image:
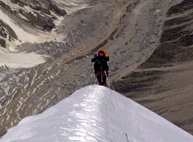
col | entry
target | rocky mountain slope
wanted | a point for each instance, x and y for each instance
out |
(146, 40)
(163, 83)
(27, 15)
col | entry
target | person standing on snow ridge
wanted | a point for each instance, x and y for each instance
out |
(100, 66)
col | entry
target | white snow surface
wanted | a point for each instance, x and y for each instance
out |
(71, 6)
(96, 114)
(22, 59)
(25, 34)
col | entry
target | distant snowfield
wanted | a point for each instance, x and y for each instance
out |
(71, 5)
(25, 34)
(96, 114)
(16, 60)
(23, 60)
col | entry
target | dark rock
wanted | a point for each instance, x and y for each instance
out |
(180, 8)
(19, 2)
(2, 42)
(176, 37)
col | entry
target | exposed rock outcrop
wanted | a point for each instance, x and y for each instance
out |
(162, 83)
(176, 42)
(36, 14)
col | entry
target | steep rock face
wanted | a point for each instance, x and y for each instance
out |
(177, 38)
(40, 15)
(6, 32)
(163, 82)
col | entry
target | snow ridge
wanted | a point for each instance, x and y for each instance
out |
(96, 114)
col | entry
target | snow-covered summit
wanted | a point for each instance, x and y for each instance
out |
(96, 114)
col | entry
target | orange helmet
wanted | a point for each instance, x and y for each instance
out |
(102, 53)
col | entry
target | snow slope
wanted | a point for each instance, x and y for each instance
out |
(22, 59)
(27, 34)
(96, 114)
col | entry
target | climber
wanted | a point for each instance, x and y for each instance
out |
(100, 66)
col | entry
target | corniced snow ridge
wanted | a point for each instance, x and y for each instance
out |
(96, 114)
